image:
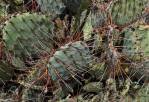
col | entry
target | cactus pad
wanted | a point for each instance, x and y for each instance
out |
(53, 7)
(69, 63)
(27, 34)
(125, 11)
(136, 41)
(73, 57)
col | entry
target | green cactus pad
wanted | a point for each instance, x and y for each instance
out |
(53, 7)
(136, 41)
(136, 49)
(98, 16)
(68, 64)
(27, 34)
(69, 60)
(125, 11)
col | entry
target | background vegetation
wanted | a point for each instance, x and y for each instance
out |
(74, 51)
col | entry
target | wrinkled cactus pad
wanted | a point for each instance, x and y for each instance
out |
(136, 41)
(126, 11)
(69, 60)
(27, 34)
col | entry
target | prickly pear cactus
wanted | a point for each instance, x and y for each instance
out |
(143, 92)
(125, 11)
(35, 82)
(6, 72)
(98, 16)
(12, 6)
(3, 9)
(76, 9)
(69, 62)
(58, 6)
(32, 95)
(27, 34)
(54, 7)
(136, 42)
(136, 48)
